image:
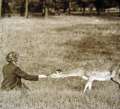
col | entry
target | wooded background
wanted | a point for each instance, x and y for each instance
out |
(46, 7)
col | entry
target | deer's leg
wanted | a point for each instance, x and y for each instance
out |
(85, 87)
(88, 85)
(115, 82)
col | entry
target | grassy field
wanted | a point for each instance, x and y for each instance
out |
(65, 42)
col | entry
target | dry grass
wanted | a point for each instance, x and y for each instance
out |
(65, 42)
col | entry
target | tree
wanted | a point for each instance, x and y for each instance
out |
(46, 2)
(70, 6)
(119, 6)
(0, 8)
(112, 3)
(99, 4)
(26, 8)
(84, 3)
(22, 7)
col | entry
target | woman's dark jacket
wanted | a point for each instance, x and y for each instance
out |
(12, 76)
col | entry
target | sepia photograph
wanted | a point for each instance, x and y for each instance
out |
(59, 54)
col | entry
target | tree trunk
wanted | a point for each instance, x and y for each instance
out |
(46, 9)
(119, 9)
(26, 8)
(70, 5)
(0, 8)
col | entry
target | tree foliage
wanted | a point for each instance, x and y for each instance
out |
(99, 4)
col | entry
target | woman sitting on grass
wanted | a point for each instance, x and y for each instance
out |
(12, 74)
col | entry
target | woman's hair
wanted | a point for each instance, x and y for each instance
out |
(11, 57)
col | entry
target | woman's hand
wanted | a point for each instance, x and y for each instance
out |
(42, 76)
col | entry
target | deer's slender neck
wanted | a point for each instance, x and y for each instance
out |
(114, 72)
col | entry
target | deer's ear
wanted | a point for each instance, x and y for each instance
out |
(119, 65)
(119, 75)
(59, 70)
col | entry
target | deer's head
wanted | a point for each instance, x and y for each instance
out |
(58, 74)
(116, 71)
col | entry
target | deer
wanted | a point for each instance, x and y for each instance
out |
(91, 76)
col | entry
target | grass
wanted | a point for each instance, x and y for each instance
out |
(66, 42)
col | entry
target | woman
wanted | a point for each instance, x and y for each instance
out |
(12, 74)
